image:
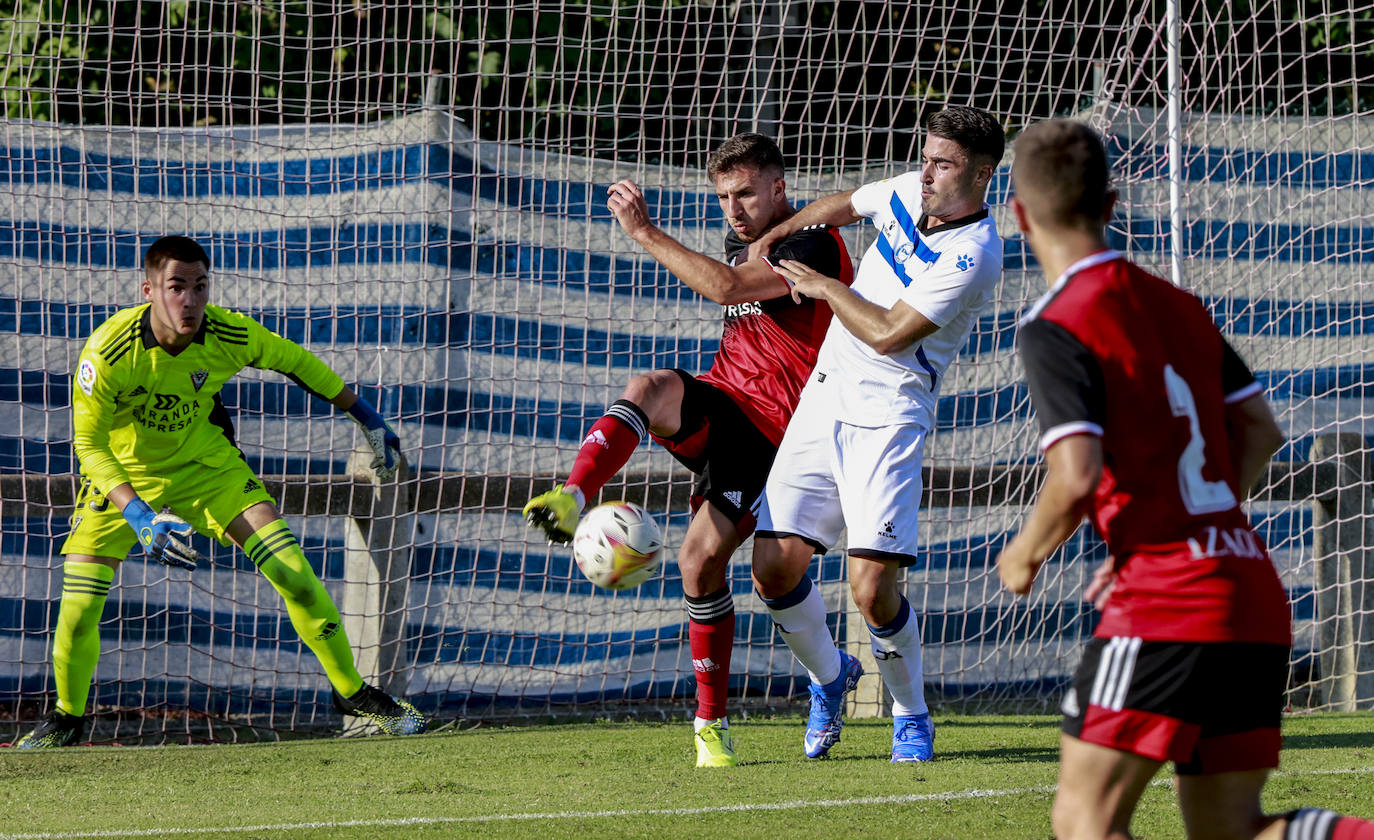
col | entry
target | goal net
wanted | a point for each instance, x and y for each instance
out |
(418, 196)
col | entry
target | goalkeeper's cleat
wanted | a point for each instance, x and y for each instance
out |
(58, 729)
(827, 708)
(392, 715)
(913, 738)
(714, 747)
(556, 512)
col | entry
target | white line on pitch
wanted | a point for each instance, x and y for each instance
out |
(556, 815)
(592, 815)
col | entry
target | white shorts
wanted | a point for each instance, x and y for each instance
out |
(829, 475)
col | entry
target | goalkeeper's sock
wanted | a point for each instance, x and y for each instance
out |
(800, 617)
(711, 636)
(1319, 824)
(277, 554)
(76, 642)
(607, 446)
(897, 648)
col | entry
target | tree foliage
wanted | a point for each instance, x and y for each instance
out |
(666, 79)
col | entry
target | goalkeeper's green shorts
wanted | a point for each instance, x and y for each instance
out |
(207, 497)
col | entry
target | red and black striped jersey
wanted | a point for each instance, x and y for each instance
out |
(1116, 352)
(768, 347)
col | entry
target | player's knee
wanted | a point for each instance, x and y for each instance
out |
(702, 567)
(1074, 819)
(774, 577)
(650, 390)
(1060, 822)
(1068, 822)
(872, 600)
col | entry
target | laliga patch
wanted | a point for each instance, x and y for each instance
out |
(85, 376)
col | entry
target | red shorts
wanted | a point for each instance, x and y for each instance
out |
(1209, 707)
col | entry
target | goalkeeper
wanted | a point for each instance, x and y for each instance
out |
(151, 433)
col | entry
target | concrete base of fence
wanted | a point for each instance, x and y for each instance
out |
(1343, 573)
(1335, 480)
(377, 581)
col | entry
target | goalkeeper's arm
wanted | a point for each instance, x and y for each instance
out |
(386, 445)
(273, 352)
(165, 537)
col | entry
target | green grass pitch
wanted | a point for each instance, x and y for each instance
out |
(993, 777)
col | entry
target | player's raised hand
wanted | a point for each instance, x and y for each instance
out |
(626, 202)
(385, 443)
(165, 537)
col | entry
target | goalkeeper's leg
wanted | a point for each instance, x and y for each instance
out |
(75, 649)
(274, 550)
(76, 641)
(269, 543)
(92, 551)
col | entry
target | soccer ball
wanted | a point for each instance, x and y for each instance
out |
(618, 545)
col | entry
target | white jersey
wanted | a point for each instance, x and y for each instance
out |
(948, 275)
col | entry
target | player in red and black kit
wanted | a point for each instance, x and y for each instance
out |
(1155, 429)
(726, 424)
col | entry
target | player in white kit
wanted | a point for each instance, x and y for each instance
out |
(851, 456)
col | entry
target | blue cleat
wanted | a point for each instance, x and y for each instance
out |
(913, 738)
(827, 708)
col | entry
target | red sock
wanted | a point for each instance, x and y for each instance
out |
(1350, 828)
(607, 446)
(1321, 824)
(711, 637)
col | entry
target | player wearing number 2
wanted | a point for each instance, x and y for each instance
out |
(151, 432)
(1155, 429)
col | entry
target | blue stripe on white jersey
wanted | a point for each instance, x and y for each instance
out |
(924, 252)
(949, 275)
(930, 369)
(895, 257)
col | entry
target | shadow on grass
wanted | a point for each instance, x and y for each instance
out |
(1329, 740)
(974, 722)
(1007, 755)
(1003, 755)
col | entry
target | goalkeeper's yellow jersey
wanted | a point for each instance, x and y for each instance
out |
(139, 410)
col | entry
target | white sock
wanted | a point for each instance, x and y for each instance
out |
(699, 724)
(802, 625)
(899, 661)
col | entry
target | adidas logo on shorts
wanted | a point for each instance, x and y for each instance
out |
(734, 497)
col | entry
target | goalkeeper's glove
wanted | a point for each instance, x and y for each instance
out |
(165, 537)
(386, 446)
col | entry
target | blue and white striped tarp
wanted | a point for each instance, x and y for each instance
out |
(484, 298)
